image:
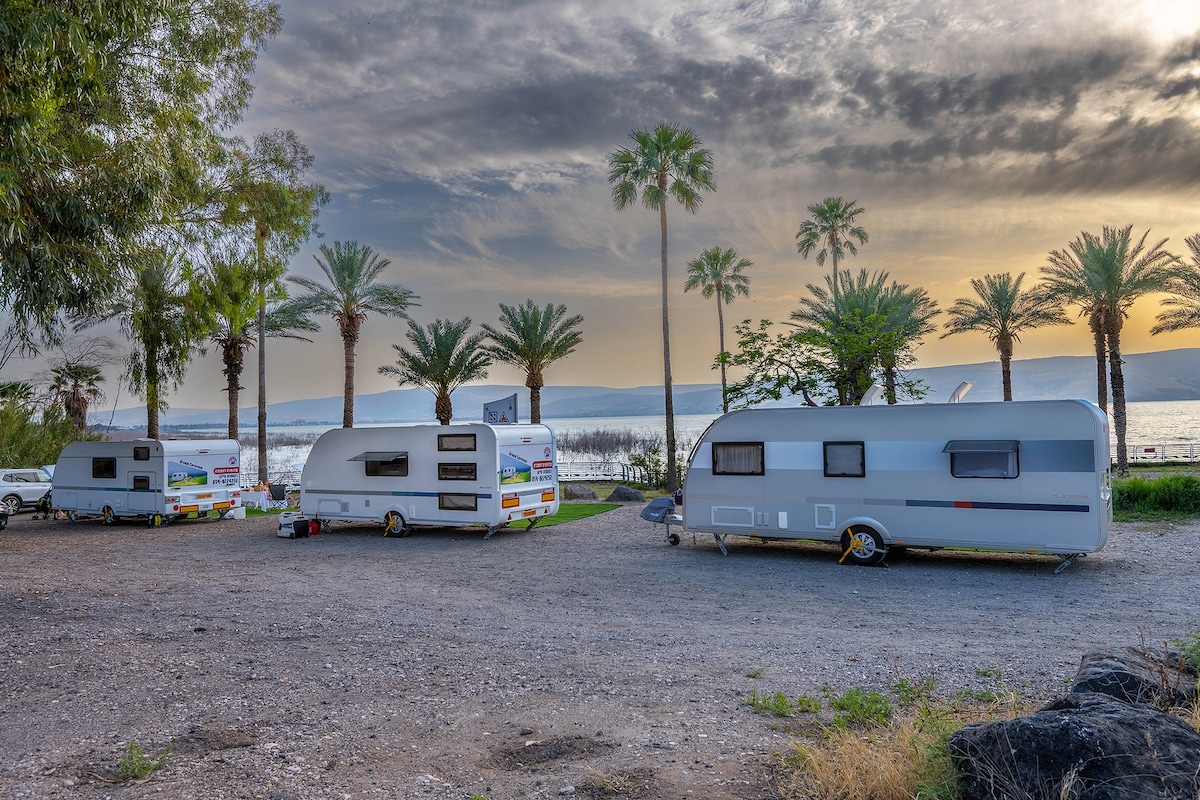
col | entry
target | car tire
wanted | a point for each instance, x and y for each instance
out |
(12, 504)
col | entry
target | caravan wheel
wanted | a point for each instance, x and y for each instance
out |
(107, 516)
(393, 524)
(862, 546)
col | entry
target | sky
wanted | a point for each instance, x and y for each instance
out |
(467, 143)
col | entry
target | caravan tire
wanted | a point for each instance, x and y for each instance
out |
(393, 523)
(863, 546)
(107, 516)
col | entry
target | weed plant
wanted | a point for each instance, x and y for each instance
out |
(1175, 496)
(136, 763)
(777, 704)
(858, 707)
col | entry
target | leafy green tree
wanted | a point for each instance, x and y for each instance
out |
(664, 163)
(773, 365)
(32, 436)
(1183, 306)
(719, 273)
(230, 291)
(156, 312)
(831, 230)
(353, 291)
(1002, 311)
(108, 121)
(1105, 275)
(532, 338)
(444, 357)
(261, 193)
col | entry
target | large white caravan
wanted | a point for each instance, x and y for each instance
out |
(160, 480)
(1015, 476)
(444, 475)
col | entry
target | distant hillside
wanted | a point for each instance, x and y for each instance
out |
(1168, 375)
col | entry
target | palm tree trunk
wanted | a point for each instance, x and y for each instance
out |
(721, 344)
(443, 409)
(1118, 398)
(534, 382)
(151, 394)
(262, 391)
(348, 346)
(233, 377)
(1095, 322)
(1004, 346)
(672, 479)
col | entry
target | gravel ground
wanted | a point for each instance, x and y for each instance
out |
(590, 659)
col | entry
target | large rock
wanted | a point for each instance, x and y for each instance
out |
(623, 494)
(1137, 675)
(577, 491)
(1086, 746)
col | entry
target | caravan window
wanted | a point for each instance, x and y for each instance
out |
(456, 472)
(396, 467)
(737, 458)
(104, 468)
(845, 460)
(456, 441)
(457, 502)
(977, 458)
(141, 483)
(141, 454)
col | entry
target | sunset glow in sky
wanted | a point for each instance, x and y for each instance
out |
(467, 142)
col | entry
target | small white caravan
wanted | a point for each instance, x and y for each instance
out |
(1029, 476)
(423, 474)
(160, 480)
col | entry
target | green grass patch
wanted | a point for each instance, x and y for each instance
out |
(569, 512)
(1174, 496)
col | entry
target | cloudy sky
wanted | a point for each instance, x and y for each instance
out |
(467, 141)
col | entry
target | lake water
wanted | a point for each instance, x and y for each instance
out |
(1153, 428)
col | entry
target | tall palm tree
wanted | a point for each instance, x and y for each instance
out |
(232, 294)
(1183, 306)
(831, 227)
(157, 313)
(1067, 281)
(1116, 272)
(532, 339)
(78, 386)
(443, 358)
(717, 272)
(667, 162)
(352, 292)
(1002, 311)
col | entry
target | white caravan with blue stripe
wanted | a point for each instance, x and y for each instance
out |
(442, 475)
(1017, 476)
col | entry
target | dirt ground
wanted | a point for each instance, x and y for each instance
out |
(590, 659)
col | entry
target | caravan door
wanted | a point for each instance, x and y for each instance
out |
(143, 492)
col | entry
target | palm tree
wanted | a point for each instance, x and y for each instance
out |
(667, 162)
(1066, 281)
(719, 272)
(909, 314)
(1112, 273)
(78, 386)
(1184, 303)
(232, 293)
(443, 358)
(157, 313)
(532, 339)
(832, 228)
(351, 294)
(1003, 312)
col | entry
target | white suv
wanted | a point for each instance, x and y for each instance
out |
(22, 488)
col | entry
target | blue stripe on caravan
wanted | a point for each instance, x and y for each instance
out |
(423, 494)
(998, 506)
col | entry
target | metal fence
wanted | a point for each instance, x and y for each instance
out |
(600, 471)
(1179, 451)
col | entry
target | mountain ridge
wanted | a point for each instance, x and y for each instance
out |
(1163, 375)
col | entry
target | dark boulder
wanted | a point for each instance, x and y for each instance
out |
(623, 494)
(1136, 675)
(1086, 746)
(576, 491)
